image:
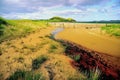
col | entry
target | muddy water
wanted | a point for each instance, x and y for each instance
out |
(91, 40)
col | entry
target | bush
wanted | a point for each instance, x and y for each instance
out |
(38, 61)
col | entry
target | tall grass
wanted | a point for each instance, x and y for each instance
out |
(19, 28)
(38, 61)
(25, 75)
(3, 24)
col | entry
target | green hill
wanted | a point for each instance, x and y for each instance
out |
(60, 19)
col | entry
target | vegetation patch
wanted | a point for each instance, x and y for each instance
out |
(18, 28)
(60, 19)
(76, 58)
(52, 48)
(113, 30)
(36, 63)
(3, 24)
(25, 75)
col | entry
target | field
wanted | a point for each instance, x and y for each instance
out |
(28, 50)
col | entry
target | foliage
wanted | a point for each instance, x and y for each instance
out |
(38, 61)
(112, 29)
(25, 75)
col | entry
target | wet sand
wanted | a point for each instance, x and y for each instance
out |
(92, 40)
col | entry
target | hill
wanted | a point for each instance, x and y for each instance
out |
(102, 21)
(60, 19)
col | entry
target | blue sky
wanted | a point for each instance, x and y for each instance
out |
(81, 10)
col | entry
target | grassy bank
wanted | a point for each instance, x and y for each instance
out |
(113, 30)
(19, 28)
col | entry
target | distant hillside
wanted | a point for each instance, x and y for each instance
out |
(103, 21)
(60, 19)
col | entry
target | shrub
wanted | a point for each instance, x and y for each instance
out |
(38, 61)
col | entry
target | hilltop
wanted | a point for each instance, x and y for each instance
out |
(61, 19)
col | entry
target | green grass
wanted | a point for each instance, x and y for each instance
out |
(19, 28)
(25, 75)
(3, 24)
(113, 30)
(53, 48)
(76, 57)
(36, 63)
(94, 74)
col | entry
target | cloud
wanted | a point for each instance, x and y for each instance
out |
(34, 5)
(38, 9)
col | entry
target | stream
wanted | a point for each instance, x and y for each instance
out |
(89, 60)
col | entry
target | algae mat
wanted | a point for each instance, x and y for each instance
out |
(92, 40)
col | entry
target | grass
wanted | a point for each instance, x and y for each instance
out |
(94, 74)
(19, 28)
(20, 59)
(113, 30)
(25, 75)
(3, 24)
(76, 58)
(1, 51)
(36, 63)
(52, 48)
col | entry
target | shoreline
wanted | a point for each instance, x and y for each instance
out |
(90, 60)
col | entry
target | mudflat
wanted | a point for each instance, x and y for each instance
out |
(92, 39)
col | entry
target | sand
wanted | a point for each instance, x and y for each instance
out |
(92, 39)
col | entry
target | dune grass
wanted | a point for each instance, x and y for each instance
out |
(38, 61)
(19, 28)
(113, 30)
(25, 75)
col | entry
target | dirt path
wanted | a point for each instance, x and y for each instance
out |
(92, 40)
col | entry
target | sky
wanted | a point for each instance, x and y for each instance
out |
(80, 10)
